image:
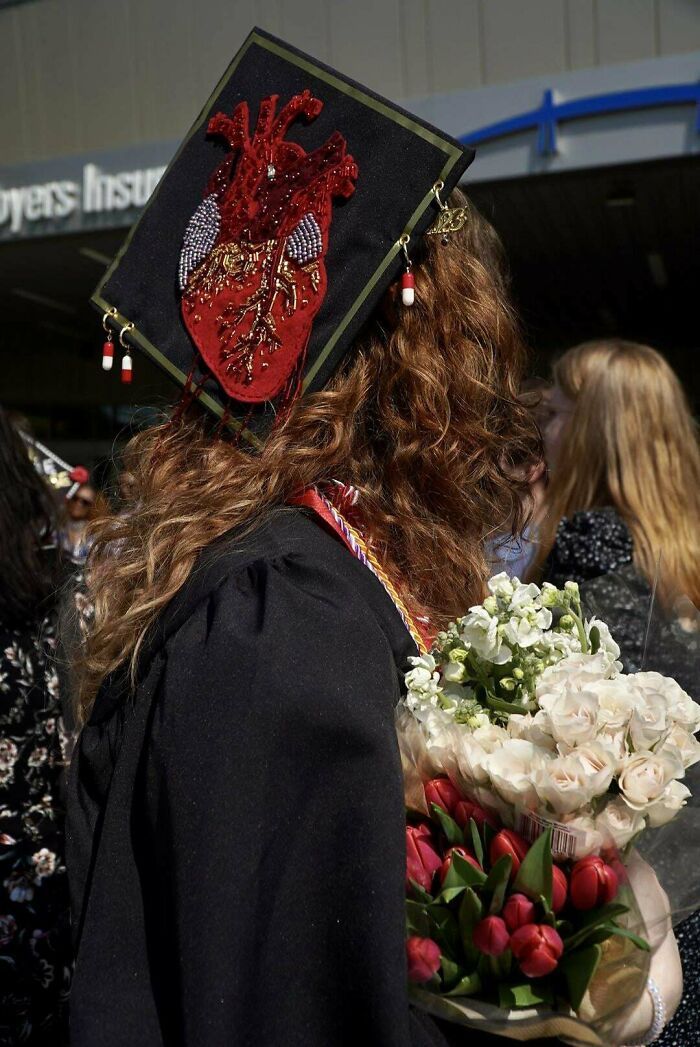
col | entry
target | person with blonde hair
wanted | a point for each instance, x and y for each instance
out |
(624, 491)
(622, 518)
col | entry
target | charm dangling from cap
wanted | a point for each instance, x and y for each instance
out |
(408, 280)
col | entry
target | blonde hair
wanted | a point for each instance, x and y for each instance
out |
(422, 419)
(631, 443)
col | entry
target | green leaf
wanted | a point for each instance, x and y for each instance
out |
(578, 968)
(489, 832)
(591, 922)
(501, 706)
(448, 825)
(417, 919)
(622, 932)
(524, 994)
(466, 986)
(445, 930)
(497, 882)
(461, 874)
(535, 873)
(420, 893)
(452, 973)
(476, 841)
(549, 916)
(471, 911)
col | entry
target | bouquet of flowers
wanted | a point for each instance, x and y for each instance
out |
(532, 763)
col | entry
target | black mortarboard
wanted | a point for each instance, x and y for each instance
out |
(275, 230)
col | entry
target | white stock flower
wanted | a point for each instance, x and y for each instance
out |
(619, 822)
(573, 715)
(480, 630)
(454, 672)
(607, 643)
(523, 631)
(673, 798)
(526, 598)
(648, 721)
(645, 775)
(511, 768)
(423, 676)
(680, 707)
(501, 585)
(536, 729)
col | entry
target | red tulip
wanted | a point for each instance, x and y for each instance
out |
(593, 883)
(491, 936)
(518, 911)
(442, 792)
(507, 841)
(537, 948)
(423, 956)
(465, 810)
(560, 888)
(463, 853)
(422, 860)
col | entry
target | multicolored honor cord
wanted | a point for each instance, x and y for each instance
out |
(323, 507)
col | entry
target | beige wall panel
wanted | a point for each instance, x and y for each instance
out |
(164, 67)
(304, 23)
(679, 26)
(15, 145)
(219, 27)
(453, 37)
(626, 30)
(416, 69)
(522, 39)
(580, 34)
(102, 51)
(51, 76)
(365, 42)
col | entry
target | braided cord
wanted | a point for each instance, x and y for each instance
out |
(362, 552)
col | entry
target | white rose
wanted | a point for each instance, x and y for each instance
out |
(619, 822)
(536, 729)
(669, 804)
(680, 706)
(501, 585)
(645, 775)
(573, 715)
(615, 742)
(648, 721)
(490, 736)
(480, 630)
(598, 766)
(616, 702)
(589, 840)
(576, 671)
(563, 784)
(470, 758)
(510, 770)
(680, 740)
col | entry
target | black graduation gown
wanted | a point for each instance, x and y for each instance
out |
(236, 827)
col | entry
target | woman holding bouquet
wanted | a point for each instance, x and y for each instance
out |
(237, 826)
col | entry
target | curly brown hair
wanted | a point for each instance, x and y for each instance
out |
(423, 419)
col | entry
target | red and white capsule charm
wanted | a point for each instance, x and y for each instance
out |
(108, 344)
(408, 280)
(127, 364)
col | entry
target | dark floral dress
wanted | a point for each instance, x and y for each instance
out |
(595, 549)
(34, 923)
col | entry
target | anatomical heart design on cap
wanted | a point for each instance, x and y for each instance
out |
(252, 270)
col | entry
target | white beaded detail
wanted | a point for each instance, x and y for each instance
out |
(658, 1022)
(200, 237)
(305, 242)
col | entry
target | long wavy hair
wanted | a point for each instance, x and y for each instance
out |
(422, 419)
(28, 570)
(631, 443)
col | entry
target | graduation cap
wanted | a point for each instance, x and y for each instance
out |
(294, 201)
(62, 477)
